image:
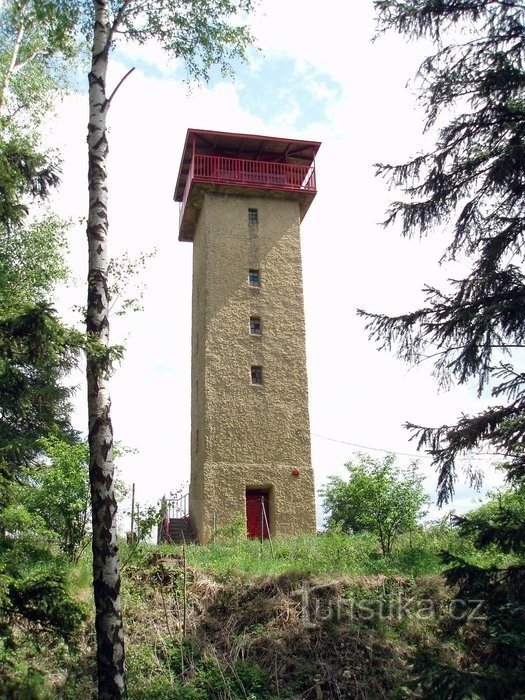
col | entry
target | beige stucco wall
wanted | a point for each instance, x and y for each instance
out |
(246, 436)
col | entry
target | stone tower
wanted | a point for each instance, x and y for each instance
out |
(242, 199)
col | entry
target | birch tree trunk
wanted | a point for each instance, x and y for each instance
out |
(10, 69)
(106, 574)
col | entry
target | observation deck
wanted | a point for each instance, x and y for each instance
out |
(230, 162)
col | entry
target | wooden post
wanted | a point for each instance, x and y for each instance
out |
(184, 590)
(132, 510)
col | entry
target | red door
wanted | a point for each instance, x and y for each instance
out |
(257, 514)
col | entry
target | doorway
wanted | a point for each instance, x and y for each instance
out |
(257, 514)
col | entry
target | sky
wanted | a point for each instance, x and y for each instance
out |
(317, 76)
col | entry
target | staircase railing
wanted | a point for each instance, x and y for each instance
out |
(178, 507)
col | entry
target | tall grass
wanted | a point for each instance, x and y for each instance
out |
(326, 553)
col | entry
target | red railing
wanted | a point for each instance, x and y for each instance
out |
(248, 173)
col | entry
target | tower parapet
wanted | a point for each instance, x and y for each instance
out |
(239, 162)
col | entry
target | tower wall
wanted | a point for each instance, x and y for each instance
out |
(246, 435)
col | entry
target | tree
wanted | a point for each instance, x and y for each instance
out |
(495, 636)
(36, 38)
(472, 183)
(472, 186)
(36, 351)
(378, 497)
(57, 490)
(26, 175)
(202, 34)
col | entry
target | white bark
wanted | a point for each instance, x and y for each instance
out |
(11, 68)
(106, 575)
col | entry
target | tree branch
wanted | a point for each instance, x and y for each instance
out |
(424, 358)
(108, 101)
(22, 64)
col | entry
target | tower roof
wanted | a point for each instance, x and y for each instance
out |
(242, 146)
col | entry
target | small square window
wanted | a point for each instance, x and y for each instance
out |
(255, 325)
(253, 216)
(256, 374)
(254, 278)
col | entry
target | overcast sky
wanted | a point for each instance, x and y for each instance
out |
(317, 76)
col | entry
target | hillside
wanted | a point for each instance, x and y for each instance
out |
(323, 617)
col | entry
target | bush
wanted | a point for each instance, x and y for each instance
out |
(378, 497)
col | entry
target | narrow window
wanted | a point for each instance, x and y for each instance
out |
(256, 374)
(253, 216)
(255, 325)
(254, 278)
(196, 441)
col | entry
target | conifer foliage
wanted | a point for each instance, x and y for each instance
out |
(36, 352)
(471, 185)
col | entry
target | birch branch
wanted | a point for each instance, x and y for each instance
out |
(108, 101)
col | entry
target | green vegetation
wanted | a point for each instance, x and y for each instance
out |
(232, 620)
(59, 494)
(469, 187)
(377, 607)
(333, 552)
(378, 497)
(38, 43)
(240, 619)
(36, 350)
(328, 612)
(37, 608)
(244, 619)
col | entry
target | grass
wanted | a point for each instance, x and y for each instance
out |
(330, 553)
(246, 636)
